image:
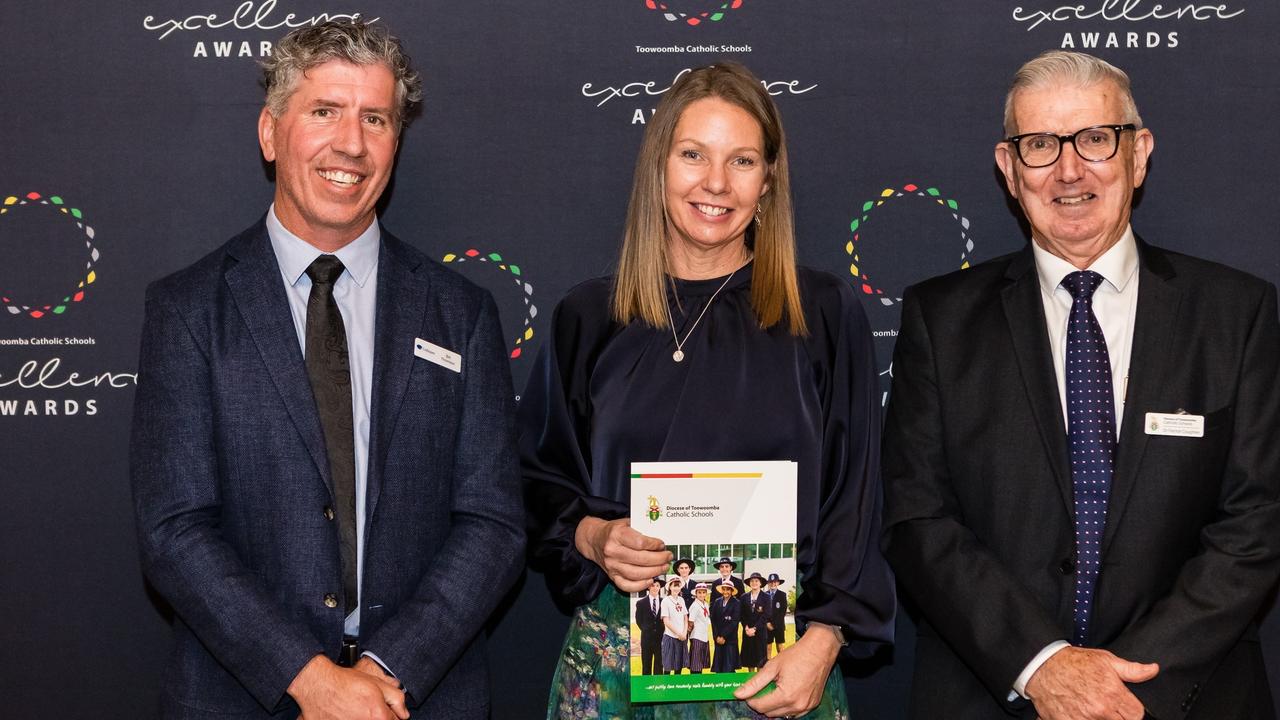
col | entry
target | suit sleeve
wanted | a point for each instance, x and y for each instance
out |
(1220, 591)
(982, 610)
(431, 630)
(177, 501)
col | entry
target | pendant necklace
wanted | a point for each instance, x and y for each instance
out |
(678, 355)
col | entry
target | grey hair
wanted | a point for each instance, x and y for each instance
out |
(1071, 68)
(354, 41)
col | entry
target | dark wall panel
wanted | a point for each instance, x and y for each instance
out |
(128, 150)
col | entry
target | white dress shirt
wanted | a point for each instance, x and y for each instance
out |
(1115, 305)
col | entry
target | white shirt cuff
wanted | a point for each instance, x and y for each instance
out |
(1020, 684)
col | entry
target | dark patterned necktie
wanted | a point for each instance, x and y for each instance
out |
(1091, 430)
(330, 374)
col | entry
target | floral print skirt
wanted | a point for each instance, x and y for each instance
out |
(593, 678)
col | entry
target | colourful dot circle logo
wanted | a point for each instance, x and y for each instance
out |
(33, 201)
(526, 290)
(862, 280)
(714, 13)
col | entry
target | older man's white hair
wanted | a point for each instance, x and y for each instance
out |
(1062, 67)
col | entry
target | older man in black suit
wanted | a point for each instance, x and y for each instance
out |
(1080, 458)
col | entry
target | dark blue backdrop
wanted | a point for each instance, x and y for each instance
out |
(128, 130)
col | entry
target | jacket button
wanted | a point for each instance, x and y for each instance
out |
(1067, 566)
(328, 513)
(330, 600)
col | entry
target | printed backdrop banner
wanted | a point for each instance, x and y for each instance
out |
(128, 150)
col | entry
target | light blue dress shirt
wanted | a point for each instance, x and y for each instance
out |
(356, 293)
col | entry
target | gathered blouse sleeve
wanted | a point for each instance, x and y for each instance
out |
(849, 582)
(555, 424)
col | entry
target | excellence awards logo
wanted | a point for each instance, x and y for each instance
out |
(903, 235)
(38, 234)
(645, 91)
(1129, 24)
(654, 511)
(48, 261)
(220, 33)
(692, 12)
(861, 278)
(508, 305)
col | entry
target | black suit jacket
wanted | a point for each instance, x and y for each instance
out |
(230, 477)
(779, 613)
(979, 499)
(649, 622)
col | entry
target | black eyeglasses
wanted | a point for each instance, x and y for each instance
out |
(1096, 143)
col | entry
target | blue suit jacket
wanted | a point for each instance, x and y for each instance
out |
(230, 479)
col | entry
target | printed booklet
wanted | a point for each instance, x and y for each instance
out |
(725, 606)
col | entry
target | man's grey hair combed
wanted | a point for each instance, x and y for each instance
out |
(1062, 67)
(353, 41)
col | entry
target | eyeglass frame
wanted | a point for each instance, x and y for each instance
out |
(1015, 141)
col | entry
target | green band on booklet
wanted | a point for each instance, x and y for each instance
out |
(704, 686)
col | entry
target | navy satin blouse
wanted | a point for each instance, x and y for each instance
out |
(602, 395)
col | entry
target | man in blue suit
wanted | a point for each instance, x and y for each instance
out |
(323, 431)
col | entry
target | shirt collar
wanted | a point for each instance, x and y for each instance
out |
(1117, 265)
(295, 255)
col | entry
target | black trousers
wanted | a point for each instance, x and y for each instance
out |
(650, 653)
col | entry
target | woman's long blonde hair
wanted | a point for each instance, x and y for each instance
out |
(639, 290)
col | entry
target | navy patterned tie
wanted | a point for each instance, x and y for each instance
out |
(1091, 430)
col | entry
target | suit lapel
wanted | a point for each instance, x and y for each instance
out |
(401, 309)
(1025, 313)
(258, 292)
(1154, 327)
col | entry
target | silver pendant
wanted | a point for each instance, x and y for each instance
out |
(678, 356)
